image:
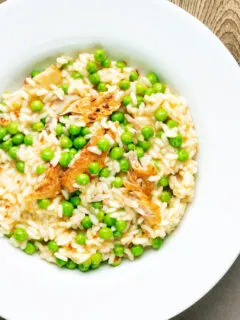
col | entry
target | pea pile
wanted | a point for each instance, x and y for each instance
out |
(146, 128)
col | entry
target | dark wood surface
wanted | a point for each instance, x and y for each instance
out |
(221, 16)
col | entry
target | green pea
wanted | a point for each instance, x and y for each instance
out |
(124, 164)
(116, 153)
(121, 64)
(145, 145)
(20, 166)
(96, 260)
(92, 67)
(66, 142)
(117, 234)
(152, 77)
(140, 152)
(176, 142)
(133, 76)
(103, 144)
(102, 87)
(28, 140)
(140, 100)
(83, 179)
(121, 225)
(79, 142)
(157, 243)
(85, 131)
(109, 221)
(30, 248)
(75, 201)
(127, 137)
(182, 155)
(76, 75)
(94, 78)
(43, 203)
(47, 154)
(3, 133)
(7, 145)
(13, 152)
(99, 55)
(116, 262)
(12, 127)
(118, 250)
(20, 234)
(34, 73)
(106, 63)
(164, 181)
(159, 134)
(158, 87)
(149, 91)
(172, 123)
(97, 204)
(117, 116)
(59, 129)
(140, 89)
(131, 146)
(147, 132)
(85, 266)
(74, 130)
(65, 88)
(127, 100)
(53, 246)
(61, 263)
(105, 233)
(104, 173)
(94, 168)
(117, 182)
(161, 114)
(65, 159)
(36, 105)
(128, 127)
(86, 222)
(17, 139)
(40, 169)
(81, 238)
(71, 265)
(100, 215)
(124, 84)
(73, 152)
(38, 126)
(67, 209)
(137, 250)
(165, 196)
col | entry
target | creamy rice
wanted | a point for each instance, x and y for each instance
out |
(149, 198)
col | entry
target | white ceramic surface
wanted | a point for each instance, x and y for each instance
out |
(157, 35)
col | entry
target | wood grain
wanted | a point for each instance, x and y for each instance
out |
(221, 16)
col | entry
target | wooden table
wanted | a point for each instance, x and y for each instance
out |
(221, 16)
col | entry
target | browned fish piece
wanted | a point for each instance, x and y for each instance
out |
(94, 108)
(50, 186)
(80, 165)
(52, 75)
(151, 210)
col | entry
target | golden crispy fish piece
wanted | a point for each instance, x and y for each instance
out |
(50, 186)
(93, 109)
(151, 210)
(139, 175)
(52, 75)
(80, 165)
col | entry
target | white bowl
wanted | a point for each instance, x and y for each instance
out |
(189, 57)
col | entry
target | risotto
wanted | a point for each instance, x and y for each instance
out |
(96, 162)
